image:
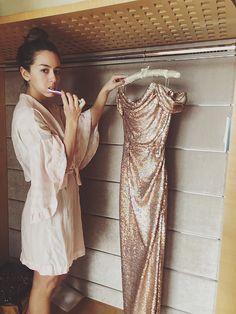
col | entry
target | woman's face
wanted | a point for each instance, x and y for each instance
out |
(44, 73)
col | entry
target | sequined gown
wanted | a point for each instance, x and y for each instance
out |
(143, 194)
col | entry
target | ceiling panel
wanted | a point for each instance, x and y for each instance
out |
(134, 24)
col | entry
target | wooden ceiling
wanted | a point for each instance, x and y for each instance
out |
(133, 24)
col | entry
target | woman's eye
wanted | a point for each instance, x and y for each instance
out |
(57, 72)
(44, 70)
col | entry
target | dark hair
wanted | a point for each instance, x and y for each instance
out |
(36, 40)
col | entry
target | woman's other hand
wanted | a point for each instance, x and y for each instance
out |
(72, 106)
(114, 81)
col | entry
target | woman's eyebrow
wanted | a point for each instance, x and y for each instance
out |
(48, 66)
(45, 65)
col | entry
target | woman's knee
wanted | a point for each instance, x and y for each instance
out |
(52, 284)
(47, 283)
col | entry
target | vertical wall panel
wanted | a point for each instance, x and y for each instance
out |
(3, 173)
(226, 302)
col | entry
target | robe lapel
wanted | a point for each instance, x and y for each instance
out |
(50, 120)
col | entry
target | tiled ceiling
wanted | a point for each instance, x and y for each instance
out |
(136, 24)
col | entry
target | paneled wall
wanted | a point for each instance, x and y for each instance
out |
(3, 174)
(196, 160)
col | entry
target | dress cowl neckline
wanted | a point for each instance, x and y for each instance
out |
(149, 89)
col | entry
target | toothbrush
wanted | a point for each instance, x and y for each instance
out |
(57, 92)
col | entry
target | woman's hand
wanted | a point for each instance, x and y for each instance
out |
(72, 106)
(115, 81)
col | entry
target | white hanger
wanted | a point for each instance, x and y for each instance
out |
(145, 72)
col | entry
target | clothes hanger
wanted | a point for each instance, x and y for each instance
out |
(145, 72)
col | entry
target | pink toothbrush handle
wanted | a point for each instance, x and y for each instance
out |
(57, 92)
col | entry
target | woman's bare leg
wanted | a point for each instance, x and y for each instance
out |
(41, 292)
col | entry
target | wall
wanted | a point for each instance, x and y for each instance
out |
(196, 160)
(3, 174)
(226, 302)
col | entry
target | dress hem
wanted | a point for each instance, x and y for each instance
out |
(54, 273)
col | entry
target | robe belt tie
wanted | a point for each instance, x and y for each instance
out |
(75, 172)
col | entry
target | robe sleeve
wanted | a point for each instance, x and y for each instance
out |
(87, 140)
(47, 163)
(170, 100)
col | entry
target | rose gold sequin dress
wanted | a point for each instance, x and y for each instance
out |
(143, 194)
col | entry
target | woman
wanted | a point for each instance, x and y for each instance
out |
(52, 143)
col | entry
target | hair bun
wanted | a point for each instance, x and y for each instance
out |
(36, 34)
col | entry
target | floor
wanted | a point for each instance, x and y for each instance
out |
(88, 306)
